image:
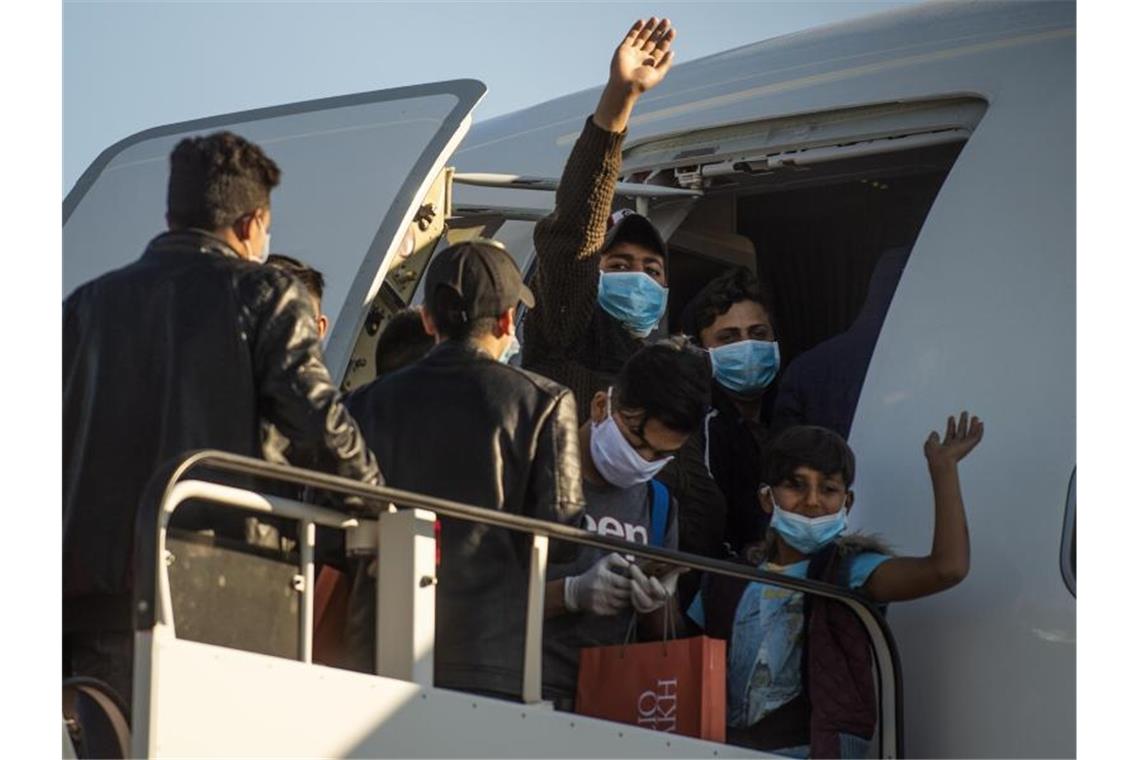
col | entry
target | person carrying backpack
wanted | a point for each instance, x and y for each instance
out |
(633, 430)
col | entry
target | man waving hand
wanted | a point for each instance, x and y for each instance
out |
(600, 284)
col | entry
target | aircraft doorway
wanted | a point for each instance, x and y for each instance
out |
(827, 223)
(816, 245)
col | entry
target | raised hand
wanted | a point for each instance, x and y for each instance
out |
(643, 58)
(640, 62)
(960, 440)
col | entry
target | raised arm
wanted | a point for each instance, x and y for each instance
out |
(568, 240)
(904, 578)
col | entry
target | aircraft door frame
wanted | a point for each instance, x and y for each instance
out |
(332, 151)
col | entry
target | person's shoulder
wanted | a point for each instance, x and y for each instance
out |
(271, 278)
(81, 292)
(260, 285)
(822, 358)
(107, 280)
(863, 555)
(529, 378)
(381, 387)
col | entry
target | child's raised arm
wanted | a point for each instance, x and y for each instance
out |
(902, 578)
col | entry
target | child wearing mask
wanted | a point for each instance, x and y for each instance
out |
(633, 430)
(807, 475)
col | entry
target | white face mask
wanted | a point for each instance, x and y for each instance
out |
(511, 351)
(262, 254)
(616, 459)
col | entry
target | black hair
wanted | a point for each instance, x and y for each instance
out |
(806, 446)
(447, 310)
(217, 179)
(403, 341)
(669, 381)
(718, 296)
(313, 280)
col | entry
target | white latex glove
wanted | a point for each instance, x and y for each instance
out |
(648, 593)
(601, 590)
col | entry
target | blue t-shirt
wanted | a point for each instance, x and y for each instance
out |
(768, 639)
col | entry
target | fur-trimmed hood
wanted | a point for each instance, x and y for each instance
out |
(858, 543)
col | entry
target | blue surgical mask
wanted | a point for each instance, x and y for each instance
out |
(616, 459)
(511, 351)
(746, 366)
(808, 534)
(634, 299)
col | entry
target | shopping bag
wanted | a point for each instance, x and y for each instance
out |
(330, 611)
(677, 686)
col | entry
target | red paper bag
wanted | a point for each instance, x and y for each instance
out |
(676, 686)
(330, 612)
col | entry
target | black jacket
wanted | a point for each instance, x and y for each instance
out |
(734, 450)
(716, 475)
(459, 425)
(186, 348)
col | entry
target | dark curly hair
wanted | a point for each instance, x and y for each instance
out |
(806, 446)
(217, 179)
(718, 296)
(668, 380)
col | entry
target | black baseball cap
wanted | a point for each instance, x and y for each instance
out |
(625, 224)
(482, 274)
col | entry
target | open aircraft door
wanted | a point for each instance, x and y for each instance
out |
(355, 173)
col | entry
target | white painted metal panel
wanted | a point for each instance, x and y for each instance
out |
(216, 702)
(984, 318)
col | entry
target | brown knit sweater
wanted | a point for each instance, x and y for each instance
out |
(567, 337)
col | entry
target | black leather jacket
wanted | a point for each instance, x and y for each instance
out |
(459, 425)
(186, 348)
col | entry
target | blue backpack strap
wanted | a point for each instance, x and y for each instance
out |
(659, 513)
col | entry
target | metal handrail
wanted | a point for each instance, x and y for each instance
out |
(150, 516)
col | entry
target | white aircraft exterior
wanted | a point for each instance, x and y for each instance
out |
(983, 316)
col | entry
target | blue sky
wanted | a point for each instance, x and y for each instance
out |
(128, 66)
